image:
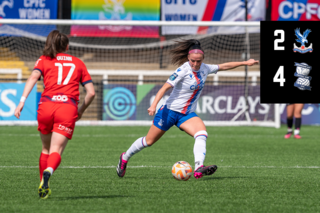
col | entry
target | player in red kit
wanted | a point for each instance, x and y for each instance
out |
(58, 107)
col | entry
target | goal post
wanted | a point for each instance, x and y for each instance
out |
(129, 62)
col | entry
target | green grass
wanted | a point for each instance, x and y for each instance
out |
(259, 171)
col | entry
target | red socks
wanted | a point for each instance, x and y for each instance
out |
(54, 160)
(43, 163)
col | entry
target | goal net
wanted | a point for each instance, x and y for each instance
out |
(130, 61)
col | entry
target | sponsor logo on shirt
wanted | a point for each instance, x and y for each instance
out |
(59, 98)
(65, 129)
(173, 76)
(179, 69)
(64, 58)
(197, 86)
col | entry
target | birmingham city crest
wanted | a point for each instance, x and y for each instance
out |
(302, 72)
(302, 39)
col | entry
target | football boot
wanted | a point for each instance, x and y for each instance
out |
(204, 170)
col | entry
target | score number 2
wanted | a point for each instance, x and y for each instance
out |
(278, 77)
(280, 40)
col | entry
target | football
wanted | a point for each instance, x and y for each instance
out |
(181, 170)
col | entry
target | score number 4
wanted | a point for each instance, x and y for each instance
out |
(278, 77)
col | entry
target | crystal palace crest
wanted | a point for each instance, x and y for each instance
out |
(302, 39)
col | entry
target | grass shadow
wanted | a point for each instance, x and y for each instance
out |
(89, 197)
(221, 178)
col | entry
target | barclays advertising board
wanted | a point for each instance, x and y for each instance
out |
(10, 94)
(27, 9)
(216, 103)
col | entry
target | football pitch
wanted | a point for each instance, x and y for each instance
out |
(258, 171)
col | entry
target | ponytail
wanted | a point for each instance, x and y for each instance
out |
(56, 43)
(181, 52)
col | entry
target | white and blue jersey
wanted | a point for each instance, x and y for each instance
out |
(187, 86)
(182, 102)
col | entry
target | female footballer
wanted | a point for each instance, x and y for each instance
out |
(58, 107)
(294, 110)
(187, 83)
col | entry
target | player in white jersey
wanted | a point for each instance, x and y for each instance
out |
(187, 83)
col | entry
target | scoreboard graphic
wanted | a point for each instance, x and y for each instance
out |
(290, 62)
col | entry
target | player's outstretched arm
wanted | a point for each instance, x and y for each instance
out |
(32, 80)
(159, 95)
(231, 65)
(87, 99)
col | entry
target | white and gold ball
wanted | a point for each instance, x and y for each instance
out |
(181, 170)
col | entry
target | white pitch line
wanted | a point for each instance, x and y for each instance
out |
(165, 136)
(83, 167)
(75, 135)
(144, 166)
(93, 136)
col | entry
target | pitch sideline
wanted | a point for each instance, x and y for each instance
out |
(144, 166)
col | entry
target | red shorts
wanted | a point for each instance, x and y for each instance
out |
(57, 117)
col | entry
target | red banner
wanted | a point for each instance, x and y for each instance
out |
(295, 10)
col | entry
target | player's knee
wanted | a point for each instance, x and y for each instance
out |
(150, 142)
(201, 135)
(297, 115)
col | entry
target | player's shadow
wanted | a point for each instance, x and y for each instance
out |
(220, 178)
(89, 197)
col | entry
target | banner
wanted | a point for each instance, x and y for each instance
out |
(216, 103)
(10, 94)
(210, 10)
(27, 9)
(295, 10)
(136, 10)
(310, 114)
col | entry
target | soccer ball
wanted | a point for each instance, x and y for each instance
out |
(181, 170)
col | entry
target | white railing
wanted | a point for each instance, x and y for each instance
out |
(252, 74)
(106, 73)
(140, 73)
(13, 71)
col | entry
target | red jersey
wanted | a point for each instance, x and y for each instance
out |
(61, 77)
